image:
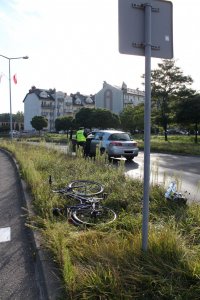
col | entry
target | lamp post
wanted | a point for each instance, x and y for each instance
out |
(10, 94)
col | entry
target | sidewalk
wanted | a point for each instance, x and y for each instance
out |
(27, 270)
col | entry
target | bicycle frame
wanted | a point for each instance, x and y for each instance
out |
(89, 210)
(81, 199)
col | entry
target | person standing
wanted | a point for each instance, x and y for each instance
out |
(87, 152)
(80, 137)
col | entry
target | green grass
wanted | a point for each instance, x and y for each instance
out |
(175, 144)
(107, 262)
(46, 137)
(180, 144)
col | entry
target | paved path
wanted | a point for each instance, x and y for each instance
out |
(18, 278)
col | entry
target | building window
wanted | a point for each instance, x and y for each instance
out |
(108, 100)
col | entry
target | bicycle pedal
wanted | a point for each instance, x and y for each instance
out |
(105, 195)
(58, 211)
(70, 221)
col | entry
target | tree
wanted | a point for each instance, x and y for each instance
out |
(132, 118)
(188, 112)
(99, 118)
(4, 117)
(17, 127)
(64, 123)
(84, 117)
(4, 128)
(39, 122)
(104, 118)
(58, 124)
(19, 117)
(168, 85)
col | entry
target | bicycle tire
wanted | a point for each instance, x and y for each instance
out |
(90, 217)
(86, 188)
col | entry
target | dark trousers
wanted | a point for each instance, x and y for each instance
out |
(81, 144)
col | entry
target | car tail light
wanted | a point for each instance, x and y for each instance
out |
(135, 144)
(115, 144)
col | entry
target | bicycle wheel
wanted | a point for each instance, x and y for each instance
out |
(89, 216)
(86, 188)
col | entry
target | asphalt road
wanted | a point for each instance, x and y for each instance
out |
(18, 279)
(185, 170)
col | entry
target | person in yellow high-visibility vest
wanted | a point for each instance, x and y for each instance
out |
(80, 137)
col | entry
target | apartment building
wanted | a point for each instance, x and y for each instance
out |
(53, 104)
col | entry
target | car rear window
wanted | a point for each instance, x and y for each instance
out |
(98, 135)
(119, 137)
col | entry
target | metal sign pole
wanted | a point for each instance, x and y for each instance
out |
(147, 125)
(145, 28)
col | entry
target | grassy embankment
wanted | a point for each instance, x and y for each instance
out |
(107, 262)
(180, 144)
(176, 144)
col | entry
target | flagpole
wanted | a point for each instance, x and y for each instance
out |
(10, 94)
(11, 123)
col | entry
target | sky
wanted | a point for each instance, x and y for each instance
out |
(72, 46)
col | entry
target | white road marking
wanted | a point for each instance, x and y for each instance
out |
(5, 234)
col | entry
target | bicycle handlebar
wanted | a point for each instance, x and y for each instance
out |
(61, 191)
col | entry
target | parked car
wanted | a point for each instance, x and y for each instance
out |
(115, 143)
(176, 131)
(14, 133)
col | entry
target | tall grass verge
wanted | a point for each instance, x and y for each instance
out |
(175, 144)
(106, 262)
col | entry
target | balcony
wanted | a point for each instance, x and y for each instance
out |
(69, 110)
(128, 101)
(47, 106)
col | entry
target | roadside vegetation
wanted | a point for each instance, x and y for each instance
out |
(107, 262)
(180, 144)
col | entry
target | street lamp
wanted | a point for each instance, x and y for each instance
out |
(9, 59)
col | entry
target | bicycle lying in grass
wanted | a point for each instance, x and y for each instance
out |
(88, 210)
(173, 195)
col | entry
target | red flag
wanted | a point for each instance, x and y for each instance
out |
(15, 78)
(1, 75)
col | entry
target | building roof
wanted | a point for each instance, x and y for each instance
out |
(125, 88)
(130, 91)
(77, 98)
(42, 93)
(82, 100)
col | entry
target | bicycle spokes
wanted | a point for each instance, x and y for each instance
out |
(88, 210)
(89, 216)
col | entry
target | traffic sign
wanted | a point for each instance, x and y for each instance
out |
(131, 15)
(145, 28)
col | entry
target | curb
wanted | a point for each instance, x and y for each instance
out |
(47, 273)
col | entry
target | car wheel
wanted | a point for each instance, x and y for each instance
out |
(129, 158)
(102, 150)
(110, 158)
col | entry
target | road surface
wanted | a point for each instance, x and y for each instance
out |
(185, 170)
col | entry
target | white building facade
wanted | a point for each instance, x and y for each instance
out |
(117, 98)
(52, 104)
